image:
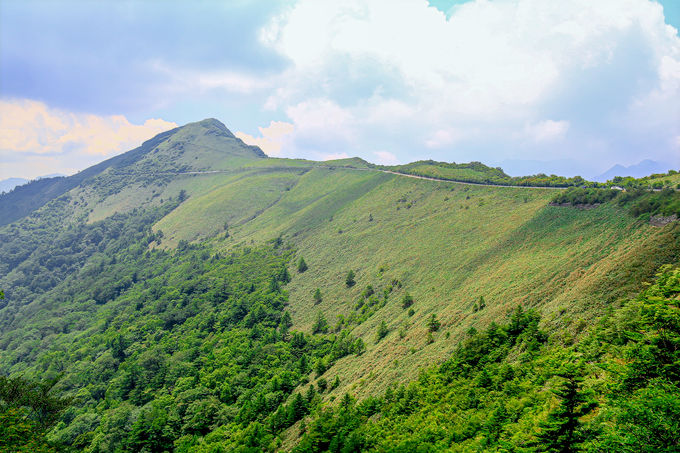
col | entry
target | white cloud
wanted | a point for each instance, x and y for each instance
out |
(385, 158)
(29, 128)
(546, 131)
(442, 138)
(399, 74)
(332, 156)
(182, 80)
(271, 137)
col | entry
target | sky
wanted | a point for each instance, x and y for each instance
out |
(567, 87)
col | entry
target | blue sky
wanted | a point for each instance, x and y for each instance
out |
(571, 87)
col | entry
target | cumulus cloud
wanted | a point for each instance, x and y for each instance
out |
(496, 79)
(271, 137)
(30, 128)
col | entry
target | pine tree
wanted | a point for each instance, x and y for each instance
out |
(382, 331)
(562, 431)
(321, 325)
(407, 301)
(285, 324)
(283, 275)
(433, 323)
(349, 281)
(317, 296)
(302, 266)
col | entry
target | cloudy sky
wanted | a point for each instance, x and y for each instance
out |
(577, 84)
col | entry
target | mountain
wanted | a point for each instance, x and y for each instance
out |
(643, 168)
(10, 183)
(205, 145)
(194, 295)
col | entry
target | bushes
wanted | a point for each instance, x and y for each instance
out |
(581, 196)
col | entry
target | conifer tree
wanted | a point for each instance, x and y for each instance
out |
(433, 323)
(302, 266)
(562, 431)
(349, 281)
(382, 331)
(321, 325)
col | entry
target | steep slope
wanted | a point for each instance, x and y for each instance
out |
(448, 245)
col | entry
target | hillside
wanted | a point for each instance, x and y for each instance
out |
(169, 279)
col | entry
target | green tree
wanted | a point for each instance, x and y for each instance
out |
(317, 296)
(320, 325)
(562, 431)
(28, 410)
(433, 323)
(349, 280)
(382, 331)
(407, 301)
(285, 324)
(480, 304)
(302, 266)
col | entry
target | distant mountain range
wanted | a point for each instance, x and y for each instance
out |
(644, 168)
(10, 183)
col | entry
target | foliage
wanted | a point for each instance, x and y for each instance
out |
(382, 332)
(511, 388)
(349, 280)
(639, 201)
(584, 196)
(433, 324)
(28, 410)
(478, 173)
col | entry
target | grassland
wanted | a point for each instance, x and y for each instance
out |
(448, 244)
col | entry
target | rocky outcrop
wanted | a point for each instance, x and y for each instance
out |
(659, 220)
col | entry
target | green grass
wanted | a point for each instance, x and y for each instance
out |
(447, 243)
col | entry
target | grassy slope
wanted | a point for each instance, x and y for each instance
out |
(447, 243)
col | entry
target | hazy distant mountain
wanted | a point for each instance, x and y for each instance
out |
(10, 183)
(644, 168)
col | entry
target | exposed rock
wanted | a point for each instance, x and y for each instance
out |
(659, 220)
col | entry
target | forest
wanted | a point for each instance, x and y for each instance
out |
(195, 352)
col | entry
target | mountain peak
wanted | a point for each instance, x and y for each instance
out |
(212, 126)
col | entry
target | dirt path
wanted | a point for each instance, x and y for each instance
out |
(427, 178)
